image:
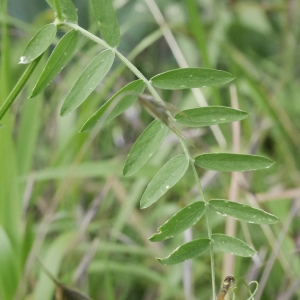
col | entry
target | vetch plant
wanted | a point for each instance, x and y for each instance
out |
(153, 136)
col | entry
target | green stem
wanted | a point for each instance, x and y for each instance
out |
(18, 87)
(58, 10)
(158, 98)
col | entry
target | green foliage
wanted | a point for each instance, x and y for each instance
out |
(187, 78)
(231, 245)
(229, 162)
(117, 104)
(165, 178)
(186, 251)
(211, 115)
(107, 21)
(145, 146)
(87, 81)
(64, 9)
(59, 58)
(78, 165)
(184, 219)
(39, 43)
(242, 212)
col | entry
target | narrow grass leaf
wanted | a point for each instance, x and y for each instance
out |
(164, 179)
(234, 246)
(184, 219)
(118, 103)
(44, 288)
(187, 78)
(67, 9)
(107, 21)
(242, 212)
(39, 43)
(60, 56)
(211, 115)
(229, 162)
(98, 267)
(9, 272)
(145, 146)
(186, 251)
(88, 80)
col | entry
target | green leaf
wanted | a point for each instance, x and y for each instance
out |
(88, 80)
(186, 251)
(228, 244)
(44, 288)
(145, 146)
(164, 179)
(242, 212)
(39, 43)
(118, 103)
(184, 219)
(56, 62)
(107, 21)
(9, 271)
(67, 9)
(211, 115)
(229, 162)
(187, 78)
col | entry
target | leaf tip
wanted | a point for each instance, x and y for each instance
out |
(34, 93)
(143, 205)
(155, 237)
(152, 238)
(161, 260)
(126, 171)
(63, 111)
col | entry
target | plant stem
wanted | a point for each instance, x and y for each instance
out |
(18, 87)
(158, 98)
(58, 11)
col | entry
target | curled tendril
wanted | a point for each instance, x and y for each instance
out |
(254, 292)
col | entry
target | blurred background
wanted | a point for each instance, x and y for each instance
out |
(63, 198)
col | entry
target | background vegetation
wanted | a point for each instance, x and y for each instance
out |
(62, 194)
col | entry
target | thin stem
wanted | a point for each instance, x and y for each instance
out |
(58, 11)
(158, 98)
(18, 87)
(212, 259)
